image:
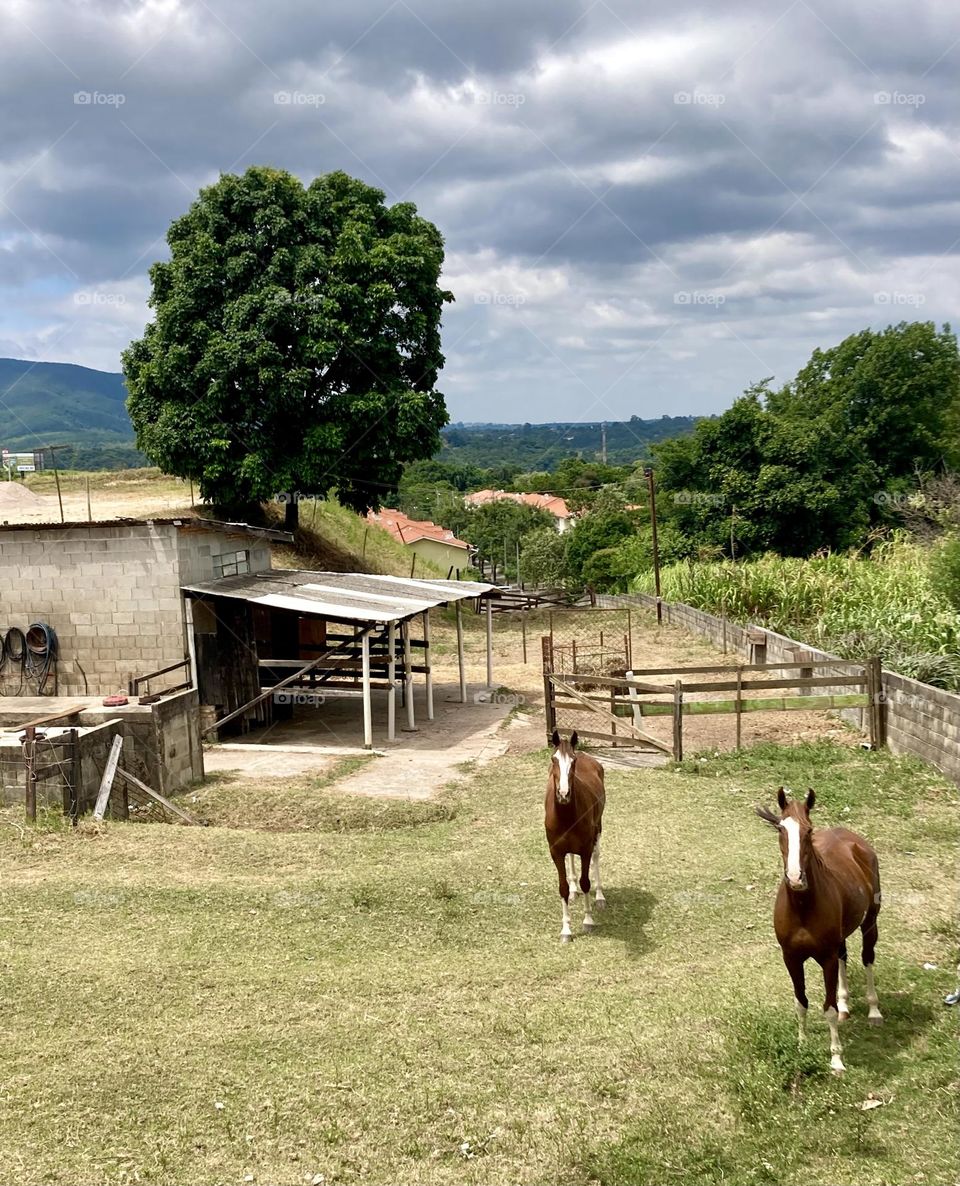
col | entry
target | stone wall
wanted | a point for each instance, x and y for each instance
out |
(921, 720)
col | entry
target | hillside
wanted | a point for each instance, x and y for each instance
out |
(544, 446)
(49, 403)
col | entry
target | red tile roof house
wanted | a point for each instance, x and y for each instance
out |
(551, 503)
(424, 538)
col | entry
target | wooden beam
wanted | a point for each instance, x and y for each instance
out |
(37, 722)
(180, 812)
(594, 706)
(109, 773)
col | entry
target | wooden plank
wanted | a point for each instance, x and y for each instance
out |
(36, 722)
(616, 681)
(696, 708)
(759, 685)
(187, 816)
(106, 783)
(638, 734)
(677, 708)
(825, 663)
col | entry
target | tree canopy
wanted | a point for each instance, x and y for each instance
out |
(295, 345)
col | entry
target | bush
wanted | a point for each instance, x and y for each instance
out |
(945, 570)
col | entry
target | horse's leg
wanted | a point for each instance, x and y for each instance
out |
(831, 972)
(599, 901)
(795, 968)
(585, 887)
(869, 932)
(571, 875)
(566, 934)
(843, 991)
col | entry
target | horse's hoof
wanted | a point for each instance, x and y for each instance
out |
(566, 938)
(837, 1071)
(600, 904)
(588, 928)
(875, 1021)
(842, 1017)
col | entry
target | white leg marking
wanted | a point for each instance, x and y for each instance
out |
(833, 1021)
(599, 901)
(843, 992)
(572, 874)
(874, 1016)
(566, 934)
(801, 1020)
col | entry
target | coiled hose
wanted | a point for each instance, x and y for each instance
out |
(13, 651)
(41, 654)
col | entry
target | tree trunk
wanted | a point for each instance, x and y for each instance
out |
(291, 515)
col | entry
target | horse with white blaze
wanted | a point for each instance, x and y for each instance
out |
(830, 886)
(574, 820)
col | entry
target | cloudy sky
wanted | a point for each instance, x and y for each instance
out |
(646, 207)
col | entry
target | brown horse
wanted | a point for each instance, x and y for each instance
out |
(831, 886)
(573, 820)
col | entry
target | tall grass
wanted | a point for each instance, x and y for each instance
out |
(852, 605)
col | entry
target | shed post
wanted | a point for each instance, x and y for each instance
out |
(191, 641)
(408, 677)
(489, 643)
(392, 679)
(367, 708)
(463, 675)
(427, 663)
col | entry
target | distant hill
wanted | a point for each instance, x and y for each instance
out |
(51, 403)
(544, 446)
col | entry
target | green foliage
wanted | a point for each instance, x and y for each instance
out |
(847, 604)
(543, 447)
(543, 558)
(816, 464)
(599, 530)
(296, 341)
(497, 527)
(945, 570)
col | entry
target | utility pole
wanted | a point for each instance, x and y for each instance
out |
(733, 545)
(648, 473)
(52, 450)
(603, 443)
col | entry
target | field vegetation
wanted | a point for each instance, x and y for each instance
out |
(332, 990)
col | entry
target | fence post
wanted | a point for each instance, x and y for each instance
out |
(71, 787)
(549, 706)
(678, 721)
(30, 769)
(876, 713)
(738, 705)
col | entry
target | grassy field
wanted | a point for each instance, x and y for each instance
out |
(378, 994)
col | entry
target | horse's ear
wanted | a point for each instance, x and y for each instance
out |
(555, 739)
(811, 798)
(574, 739)
(782, 798)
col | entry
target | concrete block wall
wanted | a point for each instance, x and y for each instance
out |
(921, 720)
(112, 594)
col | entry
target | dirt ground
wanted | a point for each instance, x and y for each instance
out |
(464, 737)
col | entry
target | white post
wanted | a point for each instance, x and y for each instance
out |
(191, 641)
(367, 708)
(489, 643)
(463, 675)
(427, 663)
(408, 675)
(392, 678)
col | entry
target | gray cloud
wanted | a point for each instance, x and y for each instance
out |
(644, 211)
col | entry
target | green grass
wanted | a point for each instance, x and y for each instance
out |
(386, 1000)
(852, 605)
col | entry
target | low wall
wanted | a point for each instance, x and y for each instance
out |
(921, 720)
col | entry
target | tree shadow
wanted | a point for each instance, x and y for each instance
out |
(629, 909)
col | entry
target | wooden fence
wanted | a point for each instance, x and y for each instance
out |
(621, 703)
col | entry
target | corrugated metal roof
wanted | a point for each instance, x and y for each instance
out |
(341, 596)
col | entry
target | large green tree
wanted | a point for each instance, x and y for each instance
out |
(295, 345)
